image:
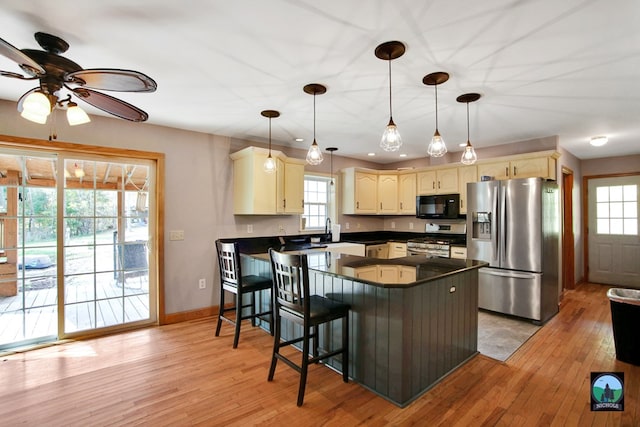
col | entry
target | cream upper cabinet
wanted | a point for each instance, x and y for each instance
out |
(522, 166)
(388, 194)
(407, 193)
(256, 192)
(290, 186)
(466, 174)
(359, 191)
(438, 181)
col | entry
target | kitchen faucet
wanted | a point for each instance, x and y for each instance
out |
(327, 227)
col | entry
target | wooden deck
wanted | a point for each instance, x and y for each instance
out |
(33, 313)
(181, 374)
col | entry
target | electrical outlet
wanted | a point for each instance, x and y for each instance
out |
(202, 283)
(347, 226)
(410, 226)
(393, 224)
(357, 225)
(281, 228)
(176, 235)
(249, 228)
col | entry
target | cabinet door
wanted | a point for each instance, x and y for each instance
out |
(447, 181)
(254, 190)
(387, 194)
(366, 186)
(407, 194)
(406, 274)
(293, 188)
(527, 168)
(497, 170)
(367, 273)
(397, 249)
(387, 274)
(427, 182)
(466, 174)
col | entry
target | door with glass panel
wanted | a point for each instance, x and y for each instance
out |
(74, 246)
(614, 224)
(106, 244)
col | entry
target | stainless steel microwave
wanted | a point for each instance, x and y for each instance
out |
(438, 206)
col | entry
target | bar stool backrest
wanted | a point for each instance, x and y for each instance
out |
(290, 282)
(228, 260)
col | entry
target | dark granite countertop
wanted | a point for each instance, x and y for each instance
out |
(420, 269)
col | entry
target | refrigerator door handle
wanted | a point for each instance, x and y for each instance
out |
(495, 224)
(518, 275)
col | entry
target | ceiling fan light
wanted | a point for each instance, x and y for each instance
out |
(469, 156)
(76, 115)
(314, 155)
(437, 147)
(391, 139)
(36, 106)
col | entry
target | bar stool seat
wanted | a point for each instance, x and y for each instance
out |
(232, 280)
(293, 302)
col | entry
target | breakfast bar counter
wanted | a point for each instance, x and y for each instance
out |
(413, 320)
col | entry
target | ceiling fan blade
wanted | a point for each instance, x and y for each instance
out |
(111, 105)
(112, 79)
(16, 55)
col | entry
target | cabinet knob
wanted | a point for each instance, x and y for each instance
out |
(433, 185)
(506, 171)
(515, 171)
(357, 205)
(438, 184)
(284, 203)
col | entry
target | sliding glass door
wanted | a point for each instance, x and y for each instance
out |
(75, 240)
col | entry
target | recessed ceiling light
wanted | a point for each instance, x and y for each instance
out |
(463, 144)
(598, 141)
(403, 155)
(299, 139)
(371, 154)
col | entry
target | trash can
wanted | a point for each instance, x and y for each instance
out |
(625, 317)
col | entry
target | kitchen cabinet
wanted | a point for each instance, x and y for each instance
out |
(256, 192)
(290, 186)
(466, 174)
(438, 181)
(388, 194)
(377, 251)
(367, 273)
(406, 274)
(359, 191)
(397, 249)
(522, 166)
(459, 252)
(407, 193)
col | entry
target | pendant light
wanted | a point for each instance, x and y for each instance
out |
(270, 163)
(391, 139)
(469, 156)
(437, 147)
(314, 155)
(331, 150)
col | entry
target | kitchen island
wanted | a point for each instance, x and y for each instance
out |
(413, 320)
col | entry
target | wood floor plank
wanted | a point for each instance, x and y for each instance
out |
(181, 374)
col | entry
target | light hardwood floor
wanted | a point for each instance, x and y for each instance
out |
(178, 375)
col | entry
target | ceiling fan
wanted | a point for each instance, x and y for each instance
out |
(55, 72)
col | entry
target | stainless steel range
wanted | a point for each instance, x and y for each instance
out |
(438, 240)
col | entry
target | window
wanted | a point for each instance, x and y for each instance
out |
(617, 210)
(317, 201)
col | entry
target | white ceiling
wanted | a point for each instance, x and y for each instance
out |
(544, 67)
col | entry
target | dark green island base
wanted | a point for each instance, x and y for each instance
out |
(413, 320)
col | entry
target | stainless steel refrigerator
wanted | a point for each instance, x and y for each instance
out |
(514, 225)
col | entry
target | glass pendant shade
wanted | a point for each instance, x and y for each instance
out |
(391, 139)
(437, 147)
(469, 156)
(76, 115)
(269, 165)
(314, 155)
(36, 107)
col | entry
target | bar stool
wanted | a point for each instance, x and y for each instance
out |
(232, 280)
(293, 302)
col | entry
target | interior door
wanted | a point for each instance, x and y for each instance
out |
(613, 240)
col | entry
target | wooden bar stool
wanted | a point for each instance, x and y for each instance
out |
(293, 302)
(232, 280)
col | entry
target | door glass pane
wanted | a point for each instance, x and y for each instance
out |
(106, 239)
